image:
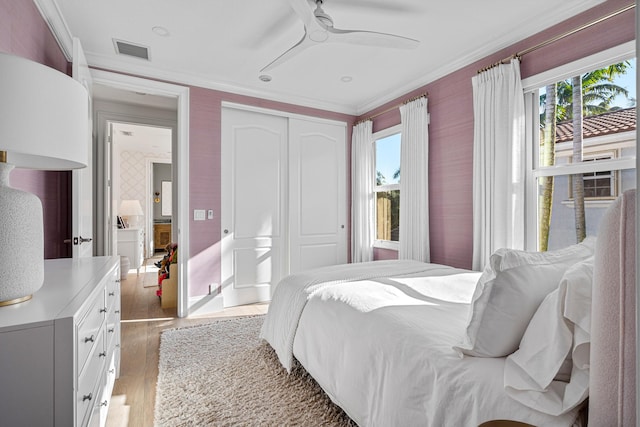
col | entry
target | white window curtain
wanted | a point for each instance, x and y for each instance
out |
(362, 209)
(498, 161)
(414, 184)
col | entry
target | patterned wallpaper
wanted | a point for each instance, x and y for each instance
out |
(133, 181)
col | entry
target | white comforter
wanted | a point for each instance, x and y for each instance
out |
(381, 347)
(292, 293)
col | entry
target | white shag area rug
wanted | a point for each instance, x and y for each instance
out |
(222, 374)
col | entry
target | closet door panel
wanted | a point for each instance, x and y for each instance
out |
(317, 194)
(256, 177)
(254, 153)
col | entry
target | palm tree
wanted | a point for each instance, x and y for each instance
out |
(598, 92)
(578, 182)
(548, 159)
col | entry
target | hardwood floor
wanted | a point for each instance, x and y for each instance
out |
(143, 320)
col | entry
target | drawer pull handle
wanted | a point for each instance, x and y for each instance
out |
(87, 397)
(103, 310)
(105, 403)
(117, 280)
(112, 330)
(89, 339)
(103, 354)
(112, 371)
(117, 312)
(112, 294)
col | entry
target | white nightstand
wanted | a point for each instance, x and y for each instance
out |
(131, 245)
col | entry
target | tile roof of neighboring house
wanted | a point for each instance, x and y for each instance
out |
(602, 124)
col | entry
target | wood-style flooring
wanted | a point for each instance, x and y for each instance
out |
(134, 393)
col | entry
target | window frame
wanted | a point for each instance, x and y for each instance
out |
(383, 133)
(614, 189)
(534, 171)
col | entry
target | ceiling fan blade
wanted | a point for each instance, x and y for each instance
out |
(293, 51)
(371, 38)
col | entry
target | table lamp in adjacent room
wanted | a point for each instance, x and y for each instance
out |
(130, 211)
(44, 124)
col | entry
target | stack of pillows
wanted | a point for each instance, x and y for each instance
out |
(535, 309)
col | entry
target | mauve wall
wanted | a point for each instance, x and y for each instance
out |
(451, 127)
(24, 33)
(205, 180)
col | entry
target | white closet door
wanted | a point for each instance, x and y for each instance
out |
(317, 194)
(254, 158)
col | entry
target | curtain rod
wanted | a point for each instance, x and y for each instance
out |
(560, 37)
(393, 107)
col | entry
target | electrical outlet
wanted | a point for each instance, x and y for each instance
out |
(210, 214)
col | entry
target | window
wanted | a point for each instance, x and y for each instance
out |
(598, 185)
(387, 187)
(555, 216)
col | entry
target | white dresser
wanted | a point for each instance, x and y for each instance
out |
(60, 351)
(131, 245)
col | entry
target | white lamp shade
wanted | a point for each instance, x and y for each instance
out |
(44, 124)
(44, 116)
(130, 208)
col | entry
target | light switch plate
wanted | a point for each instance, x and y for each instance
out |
(210, 214)
(199, 215)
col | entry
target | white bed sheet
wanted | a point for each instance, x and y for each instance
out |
(382, 350)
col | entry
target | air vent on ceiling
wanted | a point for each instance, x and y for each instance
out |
(131, 49)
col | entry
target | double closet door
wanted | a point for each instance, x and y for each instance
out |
(283, 200)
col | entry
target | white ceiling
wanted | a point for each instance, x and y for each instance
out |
(146, 139)
(224, 44)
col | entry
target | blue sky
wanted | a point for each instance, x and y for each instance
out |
(388, 157)
(628, 81)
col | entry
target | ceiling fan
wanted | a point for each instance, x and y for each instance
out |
(318, 28)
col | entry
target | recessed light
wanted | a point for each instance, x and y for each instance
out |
(161, 31)
(346, 79)
(265, 78)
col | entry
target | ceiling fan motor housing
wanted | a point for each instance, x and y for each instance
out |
(321, 16)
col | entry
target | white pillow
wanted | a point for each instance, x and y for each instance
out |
(559, 332)
(508, 293)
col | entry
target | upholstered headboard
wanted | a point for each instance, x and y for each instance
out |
(612, 388)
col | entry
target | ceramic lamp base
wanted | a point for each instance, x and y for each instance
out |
(21, 242)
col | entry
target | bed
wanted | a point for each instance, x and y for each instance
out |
(404, 343)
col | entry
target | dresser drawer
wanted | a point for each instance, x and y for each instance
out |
(113, 294)
(89, 328)
(89, 382)
(105, 393)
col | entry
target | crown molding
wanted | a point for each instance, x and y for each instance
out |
(529, 28)
(53, 17)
